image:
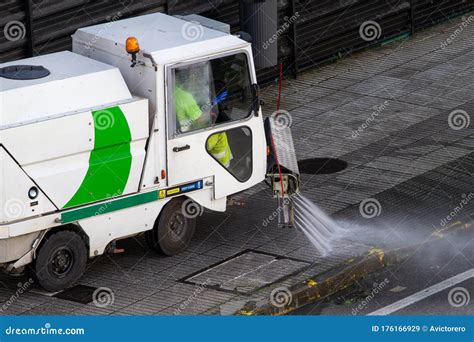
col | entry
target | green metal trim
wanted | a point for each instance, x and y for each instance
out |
(110, 161)
(109, 206)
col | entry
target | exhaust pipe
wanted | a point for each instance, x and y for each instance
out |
(282, 169)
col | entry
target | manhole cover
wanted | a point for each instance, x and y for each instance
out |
(321, 166)
(79, 294)
(247, 272)
(24, 72)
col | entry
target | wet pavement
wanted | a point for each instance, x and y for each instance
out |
(398, 120)
(434, 269)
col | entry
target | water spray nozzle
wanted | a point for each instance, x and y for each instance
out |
(285, 186)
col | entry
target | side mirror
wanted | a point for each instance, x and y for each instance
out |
(256, 100)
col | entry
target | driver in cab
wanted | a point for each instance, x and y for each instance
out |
(190, 117)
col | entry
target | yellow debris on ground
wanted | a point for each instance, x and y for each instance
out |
(246, 313)
(380, 252)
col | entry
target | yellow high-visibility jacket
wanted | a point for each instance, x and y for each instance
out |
(187, 109)
(218, 146)
(187, 112)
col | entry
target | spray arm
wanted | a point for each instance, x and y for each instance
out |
(282, 169)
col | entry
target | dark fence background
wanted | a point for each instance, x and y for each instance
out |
(322, 29)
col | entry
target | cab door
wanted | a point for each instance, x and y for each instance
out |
(213, 128)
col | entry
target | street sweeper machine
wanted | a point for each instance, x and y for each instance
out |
(147, 121)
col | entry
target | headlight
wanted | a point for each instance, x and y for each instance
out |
(33, 193)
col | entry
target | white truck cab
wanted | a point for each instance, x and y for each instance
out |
(215, 68)
(147, 121)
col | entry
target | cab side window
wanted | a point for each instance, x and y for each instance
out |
(233, 150)
(211, 93)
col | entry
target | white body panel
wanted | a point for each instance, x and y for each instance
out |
(137, 117)
(206, 199)
(55, 153)
(168, 39)
(197, 163)
(76, 83)
(15, 204)
(105, 228)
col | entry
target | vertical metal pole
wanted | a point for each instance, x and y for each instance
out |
(260, 21)
(241, 15)
(29, 28)
(412, 16)
(295, 45)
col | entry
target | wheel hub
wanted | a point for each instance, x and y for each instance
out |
(177, 226)
(62, 261)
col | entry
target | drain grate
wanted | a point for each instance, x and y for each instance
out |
(246, 272)
(321, 166)
(82, 294)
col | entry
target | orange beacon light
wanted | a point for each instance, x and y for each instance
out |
(133, 47)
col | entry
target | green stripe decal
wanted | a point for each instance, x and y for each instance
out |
(110, 206)
(110, 160)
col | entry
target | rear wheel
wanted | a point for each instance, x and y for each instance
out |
(61, 261)
(173, 229)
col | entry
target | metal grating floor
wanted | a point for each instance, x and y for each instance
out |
(247, 272)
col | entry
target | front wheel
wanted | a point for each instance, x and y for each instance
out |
(173, 229)
(61, 261)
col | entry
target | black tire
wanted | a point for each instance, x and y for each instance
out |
(173, 230)
(60, 261)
